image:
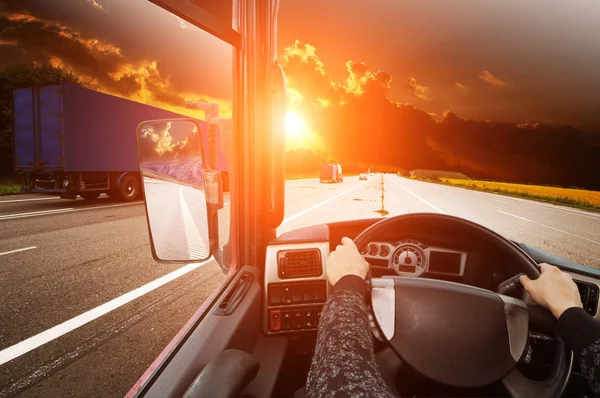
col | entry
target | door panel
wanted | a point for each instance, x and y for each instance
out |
(24, 128)
(211, 335)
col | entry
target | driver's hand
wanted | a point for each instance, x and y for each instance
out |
(346, 260)
(554, 290)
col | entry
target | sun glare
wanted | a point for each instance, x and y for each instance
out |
(294, 127)
(298, 135)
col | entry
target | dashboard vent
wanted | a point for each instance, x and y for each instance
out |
(589, 297)
(303, 263)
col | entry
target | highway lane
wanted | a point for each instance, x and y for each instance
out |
(89, 253)
(86, 258)
(570, 233)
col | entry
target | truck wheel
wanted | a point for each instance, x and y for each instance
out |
(90, 195)
(129, 188)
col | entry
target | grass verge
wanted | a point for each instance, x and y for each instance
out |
(578, 198)
(7, 188)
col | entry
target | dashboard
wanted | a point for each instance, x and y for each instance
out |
(410, 257)
(296, 287)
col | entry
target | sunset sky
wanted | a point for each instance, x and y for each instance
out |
(488, 60)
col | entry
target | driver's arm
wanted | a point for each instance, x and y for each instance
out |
(344, 361)
(556, 291)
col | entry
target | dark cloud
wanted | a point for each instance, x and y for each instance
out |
(367, 127)
(117, 53)
(53, 43)
(553, 72)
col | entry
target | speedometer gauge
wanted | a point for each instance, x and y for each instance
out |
(408, 260)
(384, 251)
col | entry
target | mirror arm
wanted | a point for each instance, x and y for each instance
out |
(278, 88)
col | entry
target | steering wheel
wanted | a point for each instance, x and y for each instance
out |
(457, 334)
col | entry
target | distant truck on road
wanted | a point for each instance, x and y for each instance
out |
(69, 141)
(331, 172)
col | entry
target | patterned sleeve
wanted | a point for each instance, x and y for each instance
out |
(344, 361)
(581, 333)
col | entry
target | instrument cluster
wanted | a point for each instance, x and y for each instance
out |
(410, 257)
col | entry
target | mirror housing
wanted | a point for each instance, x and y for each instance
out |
(181, 192)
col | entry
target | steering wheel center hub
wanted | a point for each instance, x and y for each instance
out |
(457, 334)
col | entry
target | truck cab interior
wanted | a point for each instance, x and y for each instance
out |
(448, 318)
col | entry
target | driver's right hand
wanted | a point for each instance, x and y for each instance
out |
(554, 290)
(346, 260)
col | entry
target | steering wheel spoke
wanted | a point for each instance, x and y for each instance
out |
(520, 386)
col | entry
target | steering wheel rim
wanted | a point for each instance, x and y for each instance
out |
(516, 383)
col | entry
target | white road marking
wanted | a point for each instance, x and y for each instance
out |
(196, 247)
(501, 201)
(418, 197)
(569, 233)
(27, 200)
(25, 346)
(19, 250)
(35, 213)
(512, 215)
(452, 196)
(552, 228)
(30, 344)
(104, 335)
(303, 212)
(66, 210)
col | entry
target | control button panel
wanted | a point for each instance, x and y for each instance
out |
(297, 293)
(589, 297)
(294, 319)
(295, 306)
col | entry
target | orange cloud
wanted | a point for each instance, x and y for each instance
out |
(100, 65)
(307, 81)
(529, 124)
(461, 86)
(96, 4)
(418, 90)
(486, 76)
(8, 42)
(21, 17)
(305, 53)
(360, 75)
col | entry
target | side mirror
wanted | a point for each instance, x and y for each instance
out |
(174, 175)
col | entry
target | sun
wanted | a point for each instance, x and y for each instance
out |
(294, 126)
(298, 135)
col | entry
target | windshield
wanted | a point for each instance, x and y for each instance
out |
(482, 110)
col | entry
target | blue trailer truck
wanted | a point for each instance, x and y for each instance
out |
(69, 141)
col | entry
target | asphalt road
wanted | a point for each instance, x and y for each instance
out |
(84, 308)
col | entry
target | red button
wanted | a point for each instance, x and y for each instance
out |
(275, 320)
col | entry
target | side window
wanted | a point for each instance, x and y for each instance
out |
(86, 309)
